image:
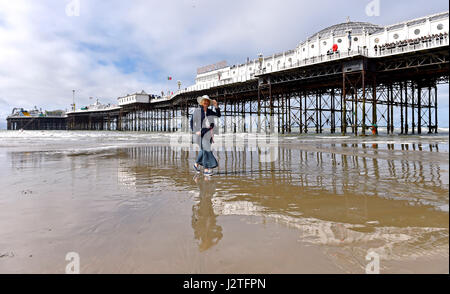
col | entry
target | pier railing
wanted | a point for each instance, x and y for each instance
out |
(418, 45)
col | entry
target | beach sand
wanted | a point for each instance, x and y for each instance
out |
(130, 203)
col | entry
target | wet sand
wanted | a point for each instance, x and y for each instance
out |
(130, 203)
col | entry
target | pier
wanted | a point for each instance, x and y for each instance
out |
(35, 119)
(37, 123)
(351, 78)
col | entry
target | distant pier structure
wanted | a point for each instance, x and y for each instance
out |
(353, 77)
(21, 119)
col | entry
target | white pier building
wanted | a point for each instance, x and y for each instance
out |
(349, 39)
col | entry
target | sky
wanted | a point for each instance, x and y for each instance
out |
(107, 49)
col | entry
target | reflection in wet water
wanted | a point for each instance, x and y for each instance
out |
(346, 198)
(413, 177)
(332, 198)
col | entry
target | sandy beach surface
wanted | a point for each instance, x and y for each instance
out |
(131, 203)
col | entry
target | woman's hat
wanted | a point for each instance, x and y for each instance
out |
(200, 99)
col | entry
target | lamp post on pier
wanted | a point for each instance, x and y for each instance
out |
(73, 100)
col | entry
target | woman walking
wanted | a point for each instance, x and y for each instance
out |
(202, 125)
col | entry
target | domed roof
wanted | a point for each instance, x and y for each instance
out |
(342, 28)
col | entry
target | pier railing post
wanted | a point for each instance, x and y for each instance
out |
(435, 109)
(374, 105)
(343, 106)
(364, 103)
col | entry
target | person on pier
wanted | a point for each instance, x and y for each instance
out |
(202, 126)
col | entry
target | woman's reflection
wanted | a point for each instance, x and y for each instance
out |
(204, 222)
